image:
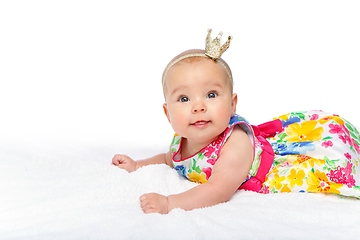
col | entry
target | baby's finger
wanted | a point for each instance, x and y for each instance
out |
(115, 160)
(147, 207)
(143, 197)
(122, 166)
(143, 201)
(149, 210)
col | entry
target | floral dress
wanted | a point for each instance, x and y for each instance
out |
(315, 152)
(198, 168)
(309, 151)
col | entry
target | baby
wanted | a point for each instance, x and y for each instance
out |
(220, 149)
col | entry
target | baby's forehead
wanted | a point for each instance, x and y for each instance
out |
(217, 75)
(198, 58)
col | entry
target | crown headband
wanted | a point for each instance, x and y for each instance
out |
(213, 50)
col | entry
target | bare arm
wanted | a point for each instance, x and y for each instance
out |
(227, 175)
(163, 158)
(125, 162)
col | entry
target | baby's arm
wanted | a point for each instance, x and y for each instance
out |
(125, 162)
(228, 173)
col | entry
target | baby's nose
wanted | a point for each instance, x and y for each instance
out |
(199, 108)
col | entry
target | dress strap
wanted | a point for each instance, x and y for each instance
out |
(263, 131)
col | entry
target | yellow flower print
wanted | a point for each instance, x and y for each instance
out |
(196, 177)
(303, 161)
(335, 118)
(318, 162)
(291, 159)
(275, 170)
(285, 189)
(318, 182)
(276, 181)
(306, 132)
(283, 117)
(296, 178)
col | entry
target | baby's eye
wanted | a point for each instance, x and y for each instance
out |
(183, 99)
(212, 95)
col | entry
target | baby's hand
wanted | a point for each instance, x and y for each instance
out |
(154, 203)
(124, 162)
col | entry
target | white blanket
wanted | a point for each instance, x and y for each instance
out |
(53, 190)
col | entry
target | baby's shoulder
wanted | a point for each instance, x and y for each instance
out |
(238, 140)
(238, 150)
(238, 134)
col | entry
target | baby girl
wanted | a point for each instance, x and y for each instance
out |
(297, 152)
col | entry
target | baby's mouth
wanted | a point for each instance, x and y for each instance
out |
(200, 123)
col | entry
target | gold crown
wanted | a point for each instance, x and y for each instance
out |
(213, 48)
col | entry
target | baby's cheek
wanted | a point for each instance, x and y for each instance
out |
(178, 123)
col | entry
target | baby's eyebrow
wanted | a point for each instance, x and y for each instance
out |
(179, 88)
(215, 84)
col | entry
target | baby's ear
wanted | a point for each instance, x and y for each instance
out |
(233, 103)
(166, 111)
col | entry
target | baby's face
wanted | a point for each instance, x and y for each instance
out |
(199, 99)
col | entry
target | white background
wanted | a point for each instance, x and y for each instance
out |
(91, 70)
